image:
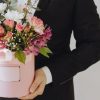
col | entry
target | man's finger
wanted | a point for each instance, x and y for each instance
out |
(29, 97)
(41, 88)
(35, 85)
(39, 91)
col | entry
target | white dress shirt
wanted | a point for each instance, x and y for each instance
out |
(45, 68)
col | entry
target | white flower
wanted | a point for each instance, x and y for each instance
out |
(22, 2)
(14, 15)
(31, 10)
(3, 7)
(34, 2)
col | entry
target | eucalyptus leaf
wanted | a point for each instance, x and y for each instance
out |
(20, 55)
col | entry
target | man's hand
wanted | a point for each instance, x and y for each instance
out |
(38, 85)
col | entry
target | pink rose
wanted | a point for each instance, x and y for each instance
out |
(2, 31)
(9, 23)
(19, 27)
(37, 24)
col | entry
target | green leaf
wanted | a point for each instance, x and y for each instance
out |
(45, 51)
(2, 18)
(20, 55)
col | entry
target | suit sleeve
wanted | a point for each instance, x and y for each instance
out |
(86, 27)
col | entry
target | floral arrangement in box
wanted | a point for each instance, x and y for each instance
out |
(21, 32)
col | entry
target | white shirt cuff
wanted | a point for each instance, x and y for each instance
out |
(48, 74)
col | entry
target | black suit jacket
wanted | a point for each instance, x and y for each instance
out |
(63, 16)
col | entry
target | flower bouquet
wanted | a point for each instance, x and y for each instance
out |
(22, 37)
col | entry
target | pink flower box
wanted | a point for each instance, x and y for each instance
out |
(15, 77)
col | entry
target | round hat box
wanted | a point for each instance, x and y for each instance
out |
(15, 77)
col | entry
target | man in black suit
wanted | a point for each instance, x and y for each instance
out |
(63, 16)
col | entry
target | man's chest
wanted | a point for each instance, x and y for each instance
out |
(57, 13)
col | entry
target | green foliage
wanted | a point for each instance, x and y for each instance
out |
(45, 51)
(2, 18)
(20, 55)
